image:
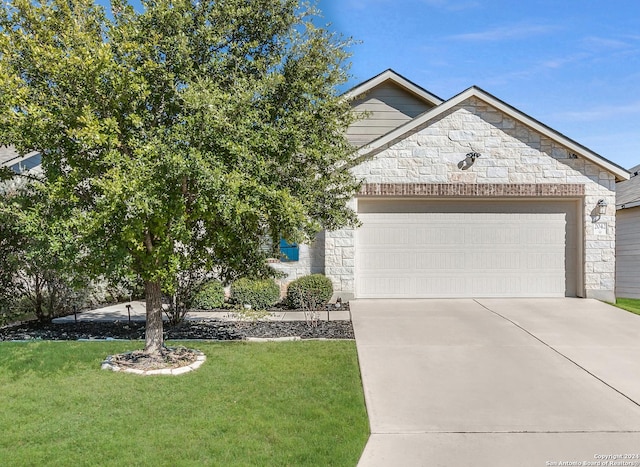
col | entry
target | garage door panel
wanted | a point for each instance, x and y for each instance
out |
(544, 236)
(437, 260)
(455, 286)
(495, 286)
(494, 260)
(394, 286)
(452, 283)
(544, 262)
(438, 235)
(378, 234)
(494, 235)
(458, 254)
(388, 260)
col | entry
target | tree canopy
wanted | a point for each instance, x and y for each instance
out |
(180, 132)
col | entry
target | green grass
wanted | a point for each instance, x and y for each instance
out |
(629, 304)
(295, 403)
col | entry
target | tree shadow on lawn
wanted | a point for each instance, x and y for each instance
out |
(46, 358)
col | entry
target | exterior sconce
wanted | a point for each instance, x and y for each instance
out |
(469, 160)
(601, 207)
(599, 210)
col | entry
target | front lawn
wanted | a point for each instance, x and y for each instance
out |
(293, 403)
(629, 304)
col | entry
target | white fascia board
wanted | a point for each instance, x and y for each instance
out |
(398, 133)
(18, 159)
(633, 204)
(391, 75)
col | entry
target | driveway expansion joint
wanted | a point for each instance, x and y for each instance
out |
(559, 353)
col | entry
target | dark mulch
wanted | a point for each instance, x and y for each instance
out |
(208, 329)
(169, 357)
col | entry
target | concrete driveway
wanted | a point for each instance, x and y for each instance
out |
(499, 382)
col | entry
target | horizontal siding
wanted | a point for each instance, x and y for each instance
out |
(410, 110)
(387, 107)
(628, 253)
(627, 250)
(371, 130)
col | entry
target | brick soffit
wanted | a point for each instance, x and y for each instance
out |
(477, 190)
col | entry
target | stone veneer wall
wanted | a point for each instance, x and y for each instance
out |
(311, 261)
(512, 153)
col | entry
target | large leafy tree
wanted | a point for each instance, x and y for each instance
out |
(182, 126)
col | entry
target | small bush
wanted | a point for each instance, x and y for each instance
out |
(259, 293)
(210, 296)
(310, 291)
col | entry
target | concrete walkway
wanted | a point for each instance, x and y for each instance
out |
(119, 312)
(528, 382)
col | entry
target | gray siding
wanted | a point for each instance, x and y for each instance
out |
(387, 107)
(628, 191)
(628, 253)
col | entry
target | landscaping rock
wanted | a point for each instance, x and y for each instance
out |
(205, 330)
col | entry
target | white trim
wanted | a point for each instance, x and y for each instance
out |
(18, 159)
(399, 80)
(632, 204)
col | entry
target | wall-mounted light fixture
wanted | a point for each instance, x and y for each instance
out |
(599, 211)
(469, 160)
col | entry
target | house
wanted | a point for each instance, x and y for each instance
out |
(628, 236)
(467, 197)
(10, 158)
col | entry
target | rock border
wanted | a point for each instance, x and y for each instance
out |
(200, 359)
(273, 339)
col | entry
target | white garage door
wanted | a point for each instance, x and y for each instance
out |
(463, 254)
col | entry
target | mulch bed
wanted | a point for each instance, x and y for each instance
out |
(169, 357)
(206, 330)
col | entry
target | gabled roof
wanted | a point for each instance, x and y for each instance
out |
(397, 79)
(628, 191)
(414, 125)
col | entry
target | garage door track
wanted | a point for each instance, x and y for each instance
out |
(530, 382)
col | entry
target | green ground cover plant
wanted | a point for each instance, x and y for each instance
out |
(294, 403)
(629, 304)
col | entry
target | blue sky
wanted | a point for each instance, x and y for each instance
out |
(572, 64)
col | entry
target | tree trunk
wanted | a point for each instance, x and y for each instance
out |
(153, 334)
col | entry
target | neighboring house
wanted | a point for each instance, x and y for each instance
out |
(628, 236)
(10, 158)
(467, 197)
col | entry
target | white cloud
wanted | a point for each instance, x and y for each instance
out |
(560, 62)
(517, 31)
(452, 5)
(603, 43)
(602, 112)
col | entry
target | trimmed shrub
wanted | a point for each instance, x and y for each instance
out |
(210, 296)
(310, 291)
(259, 293)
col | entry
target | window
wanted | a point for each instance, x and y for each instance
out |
(289, 251)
